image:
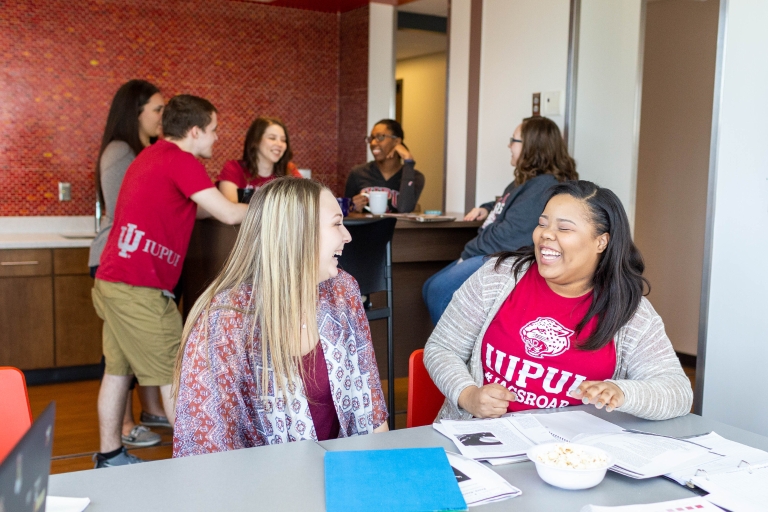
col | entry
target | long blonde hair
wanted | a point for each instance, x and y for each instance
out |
(276, 251)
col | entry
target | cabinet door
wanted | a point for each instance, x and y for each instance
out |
(78, 327)
(26, 322)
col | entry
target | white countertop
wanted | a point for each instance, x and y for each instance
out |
(46, 232)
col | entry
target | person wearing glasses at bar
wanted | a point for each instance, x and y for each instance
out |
(392, 170)
(541, 160)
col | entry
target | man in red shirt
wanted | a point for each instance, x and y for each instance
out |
(165, 188)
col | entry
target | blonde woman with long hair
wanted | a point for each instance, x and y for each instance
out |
(282, 305)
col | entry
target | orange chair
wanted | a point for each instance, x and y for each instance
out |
(424, 399)
(14, 409)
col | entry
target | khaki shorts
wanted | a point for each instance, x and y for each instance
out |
(142, 331)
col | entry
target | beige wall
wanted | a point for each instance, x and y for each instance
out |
(673, 160)
(424, 120)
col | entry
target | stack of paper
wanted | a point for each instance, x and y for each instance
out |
(732, 454)
(478, 484)
(506, 438)
(698, 504)
(740, 490)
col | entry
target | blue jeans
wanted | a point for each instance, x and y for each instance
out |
(438, 290)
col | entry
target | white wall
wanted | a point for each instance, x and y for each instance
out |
(737, 338)
(382, 25)
(518, 59)
(424, 121)
(607, 117)
(458, 89)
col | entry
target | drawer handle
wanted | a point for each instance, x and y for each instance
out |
(17, 263)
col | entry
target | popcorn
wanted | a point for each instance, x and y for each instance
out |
(571, 457)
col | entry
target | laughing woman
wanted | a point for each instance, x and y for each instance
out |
(278, 348)
(266, 155)
(562, 322)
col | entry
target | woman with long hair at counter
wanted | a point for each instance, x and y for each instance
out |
(278, 348)
(560, 322)
(133, 121)
(266, 155)
(541, 160)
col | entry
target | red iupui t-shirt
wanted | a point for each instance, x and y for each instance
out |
(530, 346)
(236, 172)
(154, 218)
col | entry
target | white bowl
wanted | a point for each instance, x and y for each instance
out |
(569, 478)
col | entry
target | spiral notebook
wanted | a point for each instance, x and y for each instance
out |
(744, 489)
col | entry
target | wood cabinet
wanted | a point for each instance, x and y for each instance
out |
(46, 315)
(77, 326)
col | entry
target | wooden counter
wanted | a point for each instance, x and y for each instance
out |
(419, 250)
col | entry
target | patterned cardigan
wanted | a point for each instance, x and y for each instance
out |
(647, 369)
(220, 404)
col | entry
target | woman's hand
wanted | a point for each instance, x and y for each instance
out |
(601, 393)
(402, 151)
(476, 214)
(359, 201)
(489, 401)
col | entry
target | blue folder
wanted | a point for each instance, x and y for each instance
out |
(407, 480)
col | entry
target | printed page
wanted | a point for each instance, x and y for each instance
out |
(738, 490)
(530, 427)
(478, 483)
(644, 456)
(568, 424)
(698, 504)
(484, 439)
(731, 454)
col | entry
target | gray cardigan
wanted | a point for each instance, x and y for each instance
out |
(647, 368)
(115, 159)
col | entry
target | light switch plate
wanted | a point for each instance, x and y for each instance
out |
(550, 104)
(65, 191)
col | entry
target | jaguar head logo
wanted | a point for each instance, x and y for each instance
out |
(545, 337)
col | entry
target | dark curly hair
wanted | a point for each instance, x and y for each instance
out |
(618, 283)
(543, 152)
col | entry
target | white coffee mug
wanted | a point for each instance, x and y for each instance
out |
(377, 201)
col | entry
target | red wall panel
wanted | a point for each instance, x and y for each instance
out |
(63, 61)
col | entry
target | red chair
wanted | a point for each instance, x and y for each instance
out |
(14, 409)
(424, 399)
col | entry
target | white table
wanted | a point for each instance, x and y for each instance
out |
(291, 477)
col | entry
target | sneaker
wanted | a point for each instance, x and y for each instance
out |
(121, 459)
(150, 420)
(141, 436)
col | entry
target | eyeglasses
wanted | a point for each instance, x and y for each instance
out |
(512, 140)
(379, 138)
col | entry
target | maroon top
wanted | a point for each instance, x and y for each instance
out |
(318, 390)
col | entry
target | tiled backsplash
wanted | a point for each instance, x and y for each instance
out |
(63, 61)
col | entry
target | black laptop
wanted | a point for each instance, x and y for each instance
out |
(24, 472)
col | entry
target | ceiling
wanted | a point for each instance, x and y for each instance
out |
(432, 7)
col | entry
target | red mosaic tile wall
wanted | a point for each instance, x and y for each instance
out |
(63, 61)
(353, 92)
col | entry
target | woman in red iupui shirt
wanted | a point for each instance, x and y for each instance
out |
(266, 155)
(561, 322)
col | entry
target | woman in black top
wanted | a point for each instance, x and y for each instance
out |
(392, 171)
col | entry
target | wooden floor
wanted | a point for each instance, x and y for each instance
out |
(76, 436)
(76, 432)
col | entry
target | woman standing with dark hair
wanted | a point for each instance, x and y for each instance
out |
(558, 323)
(392, 170)
(541, 160)
(134, 119)
(266, 155)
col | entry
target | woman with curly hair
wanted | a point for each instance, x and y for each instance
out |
(541, 160)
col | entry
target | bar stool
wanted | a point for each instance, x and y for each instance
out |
(368, 258)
